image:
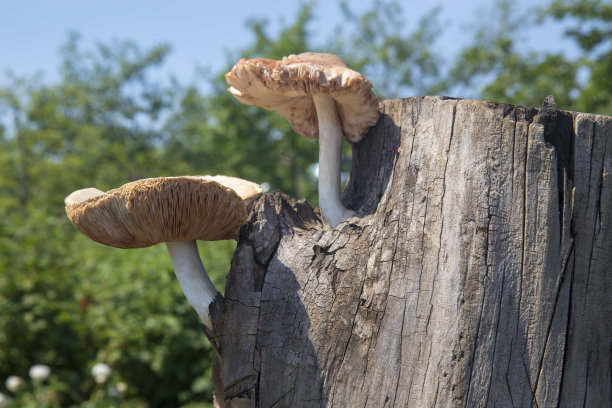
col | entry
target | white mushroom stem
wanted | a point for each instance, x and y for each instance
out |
(196, 285)
(330, 156)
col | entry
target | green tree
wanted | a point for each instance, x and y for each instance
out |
(66, 301)
(99, 126)
(589, 24)
(398, 60)
(498, 66)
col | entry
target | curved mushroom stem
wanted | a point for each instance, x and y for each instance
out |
(330, 155)
(192, 277)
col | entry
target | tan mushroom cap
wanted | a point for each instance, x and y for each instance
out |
(166, 209)
(286, 87)
(244, 188)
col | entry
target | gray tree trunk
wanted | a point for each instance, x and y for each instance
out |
(478, 272)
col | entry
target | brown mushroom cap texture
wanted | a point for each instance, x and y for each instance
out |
(286, 87)
(165, 209)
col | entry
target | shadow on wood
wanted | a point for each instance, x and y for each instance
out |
(478, 272)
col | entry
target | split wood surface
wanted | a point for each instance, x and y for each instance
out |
(478, 271)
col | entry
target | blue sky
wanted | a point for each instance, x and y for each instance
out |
(32, 31)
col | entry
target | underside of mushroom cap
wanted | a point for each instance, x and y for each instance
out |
(287, 86)
(166, 209)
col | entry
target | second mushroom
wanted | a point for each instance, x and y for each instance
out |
(173, 210)
(317, 94)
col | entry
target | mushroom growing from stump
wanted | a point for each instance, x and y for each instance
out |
(173, 210)
(316, 93)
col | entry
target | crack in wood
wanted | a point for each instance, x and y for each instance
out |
(468, 278)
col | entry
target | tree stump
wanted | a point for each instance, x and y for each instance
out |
(478, 271)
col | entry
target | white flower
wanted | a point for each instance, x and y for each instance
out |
(40, 372)
(3, 399)
(101, 372)
(13, 383)
(122, 387)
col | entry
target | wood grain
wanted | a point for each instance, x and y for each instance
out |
(477, 273)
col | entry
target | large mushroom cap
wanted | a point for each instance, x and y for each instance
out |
(166, 209)
(286, 87)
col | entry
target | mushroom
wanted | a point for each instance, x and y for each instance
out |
(173, 210)
(316, 93)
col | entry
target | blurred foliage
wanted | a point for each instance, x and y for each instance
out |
(70, 303)
(499, 66)
(591, 29)
(379, 44)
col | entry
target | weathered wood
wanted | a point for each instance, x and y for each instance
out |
(478, 273)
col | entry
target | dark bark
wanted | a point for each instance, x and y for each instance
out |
(477, 273)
